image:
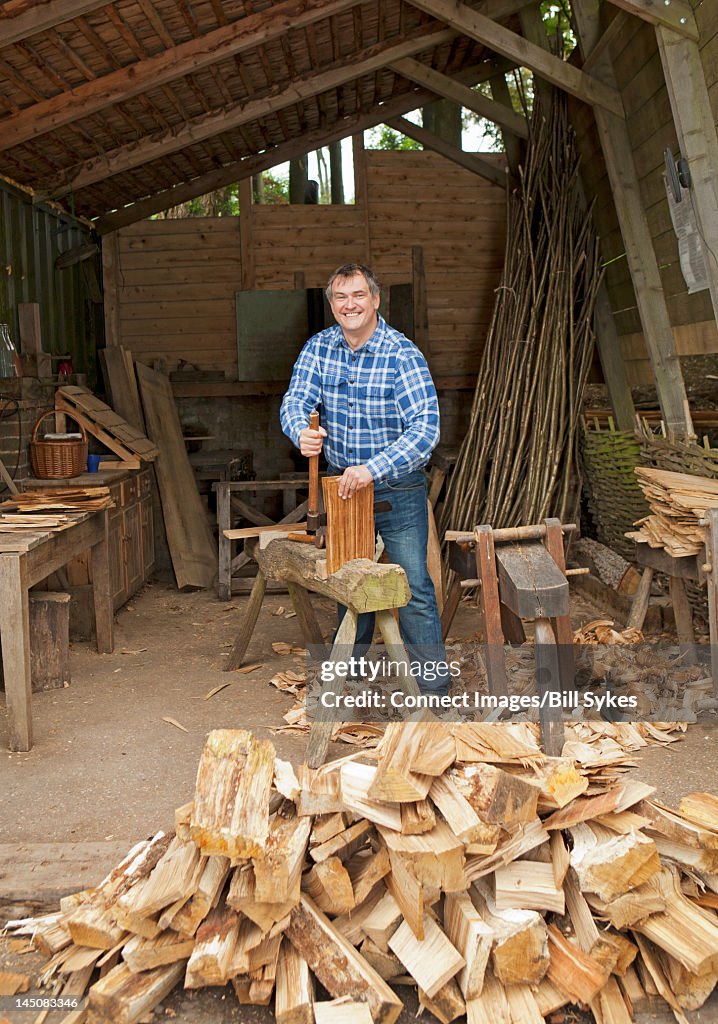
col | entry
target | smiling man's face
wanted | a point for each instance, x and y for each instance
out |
(354, 308)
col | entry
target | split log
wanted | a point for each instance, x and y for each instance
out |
(524, 839)
(497, 797)
(473, 938)
(357, 782)
(383, 920)
(175, 875)
(339, 1011)
(522, 1005)
(320, 790)
(447, 1005)
(691, 990)
(350, 524)
(386, 965)
(559, 782)
(417, 818)
(520, 952)
(249, 937)
(614, 865)
(190, 916)
(572, 971)
(436, 857)
(278, 870)
(431, 961)
(394, 780)
(93, 926)
(528, 885)
(362, 585)
(230, 815)
(701, 808)
(213, 951)
(341, 970)
(609, 1006)
(366, 870)
(491, 1007)
(460, 816)
(685, 931)
(351, 925)
(241, 897)
(295, 988)
(326, 826)
(344, 844)
(145, 954)
(330, 886)
(635, 906)
(121, 997)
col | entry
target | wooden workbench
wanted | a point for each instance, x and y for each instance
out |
(26, 557)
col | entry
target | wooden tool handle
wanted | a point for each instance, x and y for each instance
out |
(313, 503)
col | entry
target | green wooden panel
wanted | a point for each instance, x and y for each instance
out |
(272, 326)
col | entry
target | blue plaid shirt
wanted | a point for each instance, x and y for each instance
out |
(378, 404)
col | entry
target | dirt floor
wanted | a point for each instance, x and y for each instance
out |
(107, 765)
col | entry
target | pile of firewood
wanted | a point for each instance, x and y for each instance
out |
(678, 502)
(501, 883)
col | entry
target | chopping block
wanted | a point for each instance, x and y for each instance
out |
(360, 585)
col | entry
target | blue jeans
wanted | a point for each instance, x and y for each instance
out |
(405, 533)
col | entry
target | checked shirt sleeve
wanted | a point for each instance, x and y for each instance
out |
(418, 406)
(303, 395)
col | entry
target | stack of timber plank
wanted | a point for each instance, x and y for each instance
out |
(70, 499)
(501, 886)
(678, 502)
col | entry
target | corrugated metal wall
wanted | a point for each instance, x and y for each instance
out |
(31, 239)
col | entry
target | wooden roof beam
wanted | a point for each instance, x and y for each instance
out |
(561, 74)
(41, 17)
(184, 59)
(206, 126)
(476, 164)
(675, 14)
(235, 172)
(460, 94)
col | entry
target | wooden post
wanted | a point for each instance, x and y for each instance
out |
(50, 639)
(111, 287)
(361, 190)
(491, 607)
(640, 600)
(321, 731)
(15, 638)
(245, 234)
(512, 143)
(711, 570)
(396, 651)
(421, 312)
(248, 623)
(548, 679)
(224, 522)
(450, 605)
(102, 589)
(650, 298)
(683, 615)
(695, 126)
(305, 615)
(553, 543)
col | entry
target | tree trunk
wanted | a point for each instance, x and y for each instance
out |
(298, 178)
(336, 172)
(443, 118)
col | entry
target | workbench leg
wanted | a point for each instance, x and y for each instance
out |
(321, 731)
(224, 522)
(396, 651)
(491, 607)
(711, 570)
(553, 542)
(640, 600)
(548, 679)
(248, 623)
(102, 591)
(15, 637)
(451, 605)
(305, 614)
(683, 614)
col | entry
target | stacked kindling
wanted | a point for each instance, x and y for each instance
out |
(501, 883)
(677, 502)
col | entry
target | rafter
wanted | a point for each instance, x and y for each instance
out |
(476, 164)
(195, 54)
(675, 14)
(205, 127)
(450, 89)
(40, 17)
(502, 40)
(232, 173)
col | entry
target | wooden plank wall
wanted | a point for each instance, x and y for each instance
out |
(639, 75)
(176, 279)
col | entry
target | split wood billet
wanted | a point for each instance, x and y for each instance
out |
(436, 857)
(145, 954)
(395, 780)
(520, 952)
(472, 937)
(295, 988)
(339, 1011)
(344, 844)
(386, 965)
(417, 817)
(187, 919)
(572, 971)
(431, 961)
(528, 885)
(247, 532)
(122, 997)
(341, 970)
(611, 865)
(213, 950)
(382, 921)
(408, 892)
(350, 524)
(497, 797)
(366, 869)
(278, 870)
(447, 1005)
(491, 1006)
(357, 787)
(241, 898)
(330, 886)
(351, 925)
(230, 815)
(364, 586)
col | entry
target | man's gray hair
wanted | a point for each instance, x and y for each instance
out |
(349, 270)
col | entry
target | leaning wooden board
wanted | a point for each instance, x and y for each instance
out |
(190, 540)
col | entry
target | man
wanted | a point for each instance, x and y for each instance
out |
(381, 414)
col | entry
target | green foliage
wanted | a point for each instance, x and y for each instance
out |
(384, 137)
(275, 189)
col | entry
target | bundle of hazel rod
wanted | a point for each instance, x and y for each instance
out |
(515, 464)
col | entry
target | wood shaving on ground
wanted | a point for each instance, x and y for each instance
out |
(215, 690)
(174, 722)
(504, 884)
(281, 647)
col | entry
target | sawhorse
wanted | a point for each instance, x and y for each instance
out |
(361, 586)
(521, 573)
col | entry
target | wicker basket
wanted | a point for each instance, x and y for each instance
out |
(52, 460)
